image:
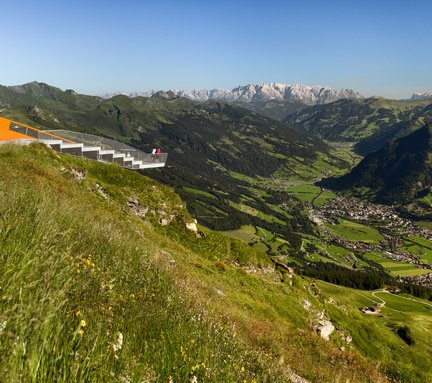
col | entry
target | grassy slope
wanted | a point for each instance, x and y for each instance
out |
(397, 311)
(77, 268)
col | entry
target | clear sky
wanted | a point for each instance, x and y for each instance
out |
(381, 47)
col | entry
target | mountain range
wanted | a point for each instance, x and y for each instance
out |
(309, 95)
(421, 96)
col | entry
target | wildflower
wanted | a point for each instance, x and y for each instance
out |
(170, 379)
(74, 354)
(81, 332)
(119, 342)
(2, 326)
(242, 369)
(77, 313)
(88, 262)
(194, 379)
(83, 323)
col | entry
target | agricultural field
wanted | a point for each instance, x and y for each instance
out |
(353, 231)
(304, 192)
(426, 224)
(397, 269)
(419, 246)
(246, 234)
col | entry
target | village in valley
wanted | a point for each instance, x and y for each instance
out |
(398, 239)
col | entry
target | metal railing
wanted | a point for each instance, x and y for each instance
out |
(104, 144)
(34, 133)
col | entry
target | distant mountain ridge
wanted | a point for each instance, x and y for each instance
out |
(309, 95)
(396, 173)
(368, 123)
(421, 96)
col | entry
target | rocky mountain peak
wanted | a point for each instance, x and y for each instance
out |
(421, 96)
(264, 92)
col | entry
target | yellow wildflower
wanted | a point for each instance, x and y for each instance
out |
(81, 332)
(83, 323)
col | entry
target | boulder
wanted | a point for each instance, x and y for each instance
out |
(324, 329)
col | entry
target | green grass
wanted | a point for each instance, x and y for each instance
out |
(245, 233)
(342, 255)
(401, 269)
(426, 224)
(77, 269)
(198, 192)
(65, 301)
(304, 192)
(354, 231)
(256, 213)
(401, 362)
(420, 247)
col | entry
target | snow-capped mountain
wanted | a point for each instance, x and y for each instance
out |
(421, 96)
(263, 92)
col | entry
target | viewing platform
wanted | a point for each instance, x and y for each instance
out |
(81, 145)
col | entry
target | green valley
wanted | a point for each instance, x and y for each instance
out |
(71, 306)
(251, 285)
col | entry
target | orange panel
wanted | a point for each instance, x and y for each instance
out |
(6, 134)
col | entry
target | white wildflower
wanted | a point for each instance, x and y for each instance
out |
(124, 379)
(119, 343)
(2, 326)
(74, 354)
(194, 379)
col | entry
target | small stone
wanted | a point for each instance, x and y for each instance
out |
(192, 226)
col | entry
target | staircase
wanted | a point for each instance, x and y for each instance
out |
(82, 145)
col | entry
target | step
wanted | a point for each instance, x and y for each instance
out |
(75, 149)
(118, 158)
(91, 152)
(53, 144)
(128, 161)
(109, 151)
(106, 155)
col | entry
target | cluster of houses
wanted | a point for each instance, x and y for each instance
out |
(421, 280)
(383, 217)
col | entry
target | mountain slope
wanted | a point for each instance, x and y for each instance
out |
(395, 173)
(95, 288)
(215, 149)
(368, 123)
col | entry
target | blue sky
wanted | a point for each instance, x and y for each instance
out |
(380, 47)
